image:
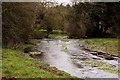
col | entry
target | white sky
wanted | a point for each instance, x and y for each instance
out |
(59, 1)
(63, 1)
(69, 1)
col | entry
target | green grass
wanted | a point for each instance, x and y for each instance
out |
(109, 45)
(43, 32)
(99, 64)
(20, 65)
(56, 35)
(111, 70)
(54, 31)
(39, 34)
(57, 31)
(103, 66)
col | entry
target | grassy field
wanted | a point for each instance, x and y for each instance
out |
(16, 64)
(109, 45)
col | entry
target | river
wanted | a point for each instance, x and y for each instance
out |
(67, 55)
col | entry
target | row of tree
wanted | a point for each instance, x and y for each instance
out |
(19, 20)
(96, 19)
(82, 19)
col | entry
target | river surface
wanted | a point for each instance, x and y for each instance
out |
(67, 55)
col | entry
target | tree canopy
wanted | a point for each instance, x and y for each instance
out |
(80, 20)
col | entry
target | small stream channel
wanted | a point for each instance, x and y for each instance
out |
(67, 55)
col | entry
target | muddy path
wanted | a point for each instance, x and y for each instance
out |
(67, 55)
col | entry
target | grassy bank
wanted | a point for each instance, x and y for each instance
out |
(42, 33)
(16, 64)
(103, 66)
(108, 45)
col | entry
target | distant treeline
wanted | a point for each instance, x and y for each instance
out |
(81, 20)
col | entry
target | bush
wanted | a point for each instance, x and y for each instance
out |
(17, 19)
(38, 34)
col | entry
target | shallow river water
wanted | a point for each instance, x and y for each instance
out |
(67, 55)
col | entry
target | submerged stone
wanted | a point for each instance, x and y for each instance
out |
(36, 54)
(109, 57)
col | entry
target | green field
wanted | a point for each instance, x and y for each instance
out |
(109, 45)
(19, 65)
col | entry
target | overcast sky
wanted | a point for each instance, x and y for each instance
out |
(59, 1)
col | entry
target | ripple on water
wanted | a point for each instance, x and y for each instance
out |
(72, 59)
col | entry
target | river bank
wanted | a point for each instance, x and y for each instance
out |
(58, 55)
(106, 45)
(17, 64)
(67, 55)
